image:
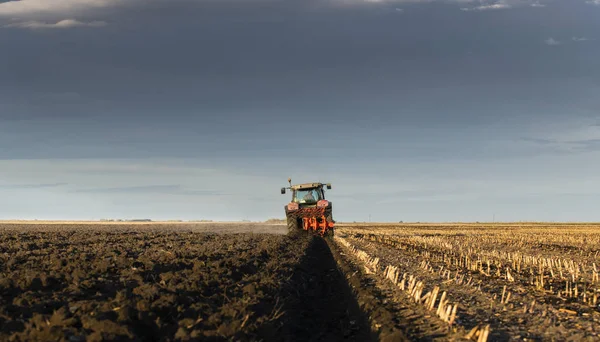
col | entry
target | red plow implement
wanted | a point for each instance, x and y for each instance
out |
(314, 220)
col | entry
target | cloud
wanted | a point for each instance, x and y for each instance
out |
(145, 189)
(63, 24)
(52, 98)
(551, 41)
(580, 39)
(31, 186)
(65, 8)
(496, 6)
(35, 7)
(134, 189)
(593, 2)
(489, 5)
(581, 137)
(566, 146)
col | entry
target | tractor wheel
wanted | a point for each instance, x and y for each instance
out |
(329, 218)
(293, 225)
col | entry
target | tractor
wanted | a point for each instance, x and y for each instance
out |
(309, 210)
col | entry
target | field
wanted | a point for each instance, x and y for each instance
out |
(201, 281)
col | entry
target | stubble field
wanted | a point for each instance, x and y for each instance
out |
(240, 282)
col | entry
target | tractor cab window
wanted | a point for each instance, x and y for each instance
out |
(307, 196)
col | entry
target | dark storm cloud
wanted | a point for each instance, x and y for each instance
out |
(340, 62)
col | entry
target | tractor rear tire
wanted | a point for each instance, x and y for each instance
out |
(293, 225)
(330, 231)
(329, 217)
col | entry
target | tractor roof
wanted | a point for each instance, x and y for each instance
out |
(306, 186)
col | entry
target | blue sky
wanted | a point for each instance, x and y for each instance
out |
(450, 110)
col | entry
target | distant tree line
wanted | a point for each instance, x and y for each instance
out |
(120, 220)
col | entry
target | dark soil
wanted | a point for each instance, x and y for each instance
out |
(146, 283)
(320, 303)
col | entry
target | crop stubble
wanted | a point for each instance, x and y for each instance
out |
(522, 282)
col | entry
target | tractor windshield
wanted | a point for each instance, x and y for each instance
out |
(307, 196)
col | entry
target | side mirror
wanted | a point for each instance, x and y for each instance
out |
(283, 191)
(328, 186)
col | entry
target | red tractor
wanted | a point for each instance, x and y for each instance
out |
(309, 210)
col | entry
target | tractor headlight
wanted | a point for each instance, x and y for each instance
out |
(292, 206)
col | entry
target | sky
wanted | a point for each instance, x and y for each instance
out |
(437, 110)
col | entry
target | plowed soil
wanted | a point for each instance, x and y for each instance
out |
(161, 282)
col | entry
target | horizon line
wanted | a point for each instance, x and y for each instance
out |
(282, 221)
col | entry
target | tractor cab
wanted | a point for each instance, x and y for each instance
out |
(308, 196)
(307, 193)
